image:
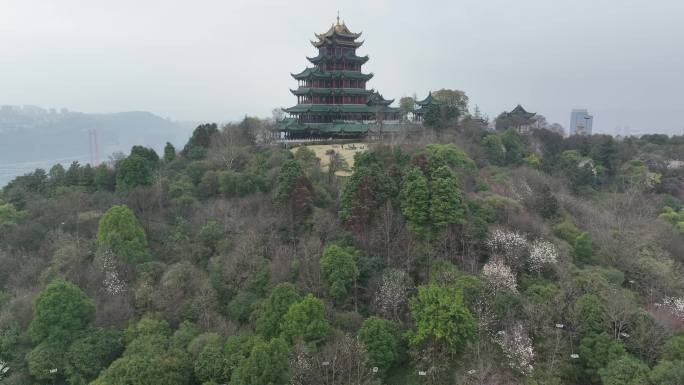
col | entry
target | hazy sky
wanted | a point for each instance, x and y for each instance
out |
(219, 60)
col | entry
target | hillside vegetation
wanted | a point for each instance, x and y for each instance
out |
(455, 256)
(31, 137)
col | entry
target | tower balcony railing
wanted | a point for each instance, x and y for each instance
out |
(354, 85)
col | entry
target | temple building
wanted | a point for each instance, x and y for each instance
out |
(332, 97)
(518, 118)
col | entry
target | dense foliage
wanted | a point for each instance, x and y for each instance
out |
(452, 254)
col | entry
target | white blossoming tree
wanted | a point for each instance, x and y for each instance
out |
(674, 306)
(542, 253)
(301, 364)
(511, 246)
(499, 277)
(111, 282)
(4, 368)
(392, 294)
(517, 347)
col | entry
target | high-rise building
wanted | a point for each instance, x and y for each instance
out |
(580, 122)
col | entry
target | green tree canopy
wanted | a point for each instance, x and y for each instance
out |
(60, 312)
(44, 359)
(306, 320)
(494, 149)
(119, 231)
(369, 187)
(441, 316)
(290, 174)
(294, 192)
(237, 348)
(267, 364)
(274, 308)
(150, 357)
(169, 152)
(91, 353)
(588, 315)
(439, 116)
(57, 174)
(452, 98)
(514, 146)
(146, 153)
(9, 215)
(446, 201)
(674, 348)
(583, 248)
(173, 368)
(210, 363)
(382, 340)
(596, 351)
(133, 171)
(448, 155)
(668, 373)
(200, 140)
(340, 269)
(104, 178)
(625, 370)
(415, 201)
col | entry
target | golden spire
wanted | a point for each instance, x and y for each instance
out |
(338, 17)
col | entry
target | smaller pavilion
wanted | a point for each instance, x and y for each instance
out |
(424, 106)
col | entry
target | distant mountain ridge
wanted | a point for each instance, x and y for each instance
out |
(32, 137)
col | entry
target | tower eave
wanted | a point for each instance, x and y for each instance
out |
(327, 41)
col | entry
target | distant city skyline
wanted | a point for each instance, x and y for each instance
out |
(218, 61)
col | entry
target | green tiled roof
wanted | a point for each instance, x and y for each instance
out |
(331, 91)
(340, 127)
(429, 100)
(318, 73)
(519, 111)
(351, 108)
(337, 41)
(349, 56)
(376, 98)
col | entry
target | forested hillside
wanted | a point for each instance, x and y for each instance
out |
(456, 256)
(31, 137)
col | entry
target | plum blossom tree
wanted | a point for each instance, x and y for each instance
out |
(674, 305)
(509, 245)
(517, 347)
(499, 277)
(542, 253)
(393, 293)
(111, 282)
(4, 368)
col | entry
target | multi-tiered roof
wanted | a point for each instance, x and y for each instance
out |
(425, 105)
(332, 98)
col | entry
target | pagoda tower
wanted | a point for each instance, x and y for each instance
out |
(332, 97)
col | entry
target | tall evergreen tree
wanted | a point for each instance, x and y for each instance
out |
(415, 201)
(446, 202)
(169, 152)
